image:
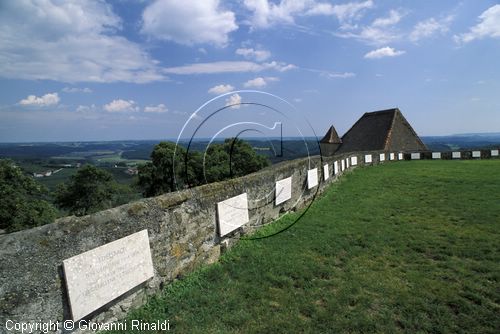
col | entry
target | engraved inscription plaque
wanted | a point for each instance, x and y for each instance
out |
(326, 172)
(336, 167)
(96, 277)
(368, 159)
(415, 156)
(342, 164)
(232, 213)
(476, 154)
(400, 156)
(392, 156)
(436, 155)
(283, 190)
(456, 155)
(354, 161)
(312, 178)
(494, 153)
(382, 157)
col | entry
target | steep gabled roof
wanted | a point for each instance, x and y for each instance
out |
(331, 137)
(381, 130)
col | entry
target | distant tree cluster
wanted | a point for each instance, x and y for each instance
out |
(91, 189)
(23, 203)
(171, 168)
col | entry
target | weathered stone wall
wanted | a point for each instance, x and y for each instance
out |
(183, 236)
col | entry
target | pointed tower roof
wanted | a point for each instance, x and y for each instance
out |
(385, 130)
(331, 137)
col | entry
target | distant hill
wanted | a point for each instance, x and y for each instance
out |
(462, 141)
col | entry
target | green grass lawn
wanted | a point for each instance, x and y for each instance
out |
(408, 247)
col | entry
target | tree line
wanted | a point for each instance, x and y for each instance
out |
(25, 203)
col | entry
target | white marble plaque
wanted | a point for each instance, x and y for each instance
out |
(382, 157)
(368, 159)
(347, 163)
(283, 190)
(415, 156)
(354, 161)
(336, 167)
(342, 163)
(312, 178)
(232, 214)
(326, 172)
(392, 156)
(456, 155)
(436, 155)
(96, 277)
(476, 154)
(494, 153)
(400, 156)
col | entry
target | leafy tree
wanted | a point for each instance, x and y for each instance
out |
(160, 175)
(22, 203)
(233, 158)
(91, 189)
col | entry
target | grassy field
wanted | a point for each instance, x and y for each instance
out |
(407, 247)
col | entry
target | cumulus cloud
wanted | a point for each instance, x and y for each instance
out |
(161, 108)
(188, 22)
(220, 89)
(76, 90)
(228, 67)
(67, 41)
(488, 26)
(121, 106)
(259, 82)
(384, 52)
(234, 101)
(42, 101)
(430, 27)
(250, 53)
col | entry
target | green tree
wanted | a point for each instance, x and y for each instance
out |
(162, 175)
(233, 158)
(22, 203)
(91, 189)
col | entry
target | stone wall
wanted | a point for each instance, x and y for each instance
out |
(182, 231)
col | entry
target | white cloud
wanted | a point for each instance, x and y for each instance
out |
(85, 109)
(489, 26)
(161, 108)
(43, 101)
(393, 18)
(234, 101)
(344, 75)
(76, 90)
(384, 52)
(351, 10)
(250, 53)
(189, 21)
(70, 42)
(267, 14)
(371, 35)
(121, 106)
(259, 82)
(430, 27)
(228, 67)
(220, 89)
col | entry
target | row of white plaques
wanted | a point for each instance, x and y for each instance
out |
(97, 277)
(232, 213)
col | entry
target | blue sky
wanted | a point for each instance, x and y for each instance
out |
(96, 70)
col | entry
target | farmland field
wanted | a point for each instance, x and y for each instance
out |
(397, 248)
